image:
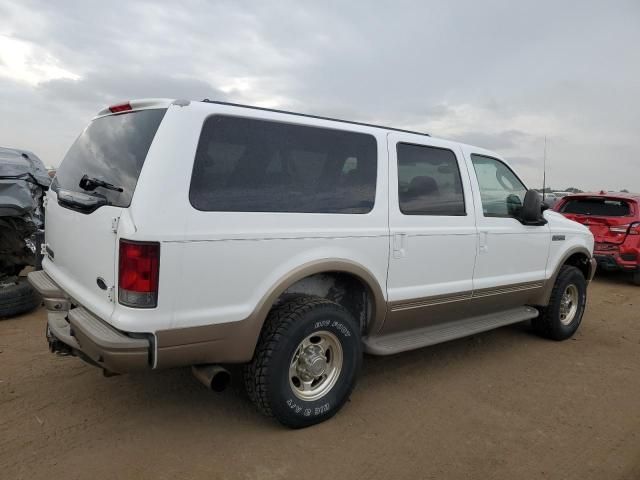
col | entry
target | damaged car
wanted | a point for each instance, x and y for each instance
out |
(23, 181)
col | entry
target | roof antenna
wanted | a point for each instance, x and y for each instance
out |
(544, 168)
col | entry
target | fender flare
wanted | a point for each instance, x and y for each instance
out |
(543, 298)
(338, 265)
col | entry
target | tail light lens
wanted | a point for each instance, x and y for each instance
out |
(619, 229)
(138, 273)
(634, 228)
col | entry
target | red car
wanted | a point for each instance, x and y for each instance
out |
(614, 220)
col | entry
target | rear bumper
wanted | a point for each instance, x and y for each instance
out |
(616, 261)
(86, 335)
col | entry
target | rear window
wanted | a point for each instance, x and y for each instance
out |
(601, 207)
(111, 149)
(250, 165)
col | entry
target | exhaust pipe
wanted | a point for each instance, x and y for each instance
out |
(213, 377)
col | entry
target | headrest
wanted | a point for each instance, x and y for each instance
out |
(422, 185)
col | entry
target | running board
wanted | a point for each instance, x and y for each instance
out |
(423, 337)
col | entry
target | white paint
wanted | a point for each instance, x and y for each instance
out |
(216, 266)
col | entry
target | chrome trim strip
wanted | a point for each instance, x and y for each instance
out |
(487, 292)
(429, 301)
(459, 297)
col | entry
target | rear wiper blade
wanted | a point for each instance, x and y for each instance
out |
(91, 183)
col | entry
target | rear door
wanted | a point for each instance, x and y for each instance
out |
(433, 232)
(81, 221)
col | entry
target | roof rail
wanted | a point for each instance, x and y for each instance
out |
(217, 102)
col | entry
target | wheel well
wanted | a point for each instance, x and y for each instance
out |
(580, 261)
(346, 289)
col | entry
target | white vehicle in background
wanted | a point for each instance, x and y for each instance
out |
(197, 234)
(551, 198)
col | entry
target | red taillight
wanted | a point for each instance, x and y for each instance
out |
(139, 269)
(123, 107)
(634, 228)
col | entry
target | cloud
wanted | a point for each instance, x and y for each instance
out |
(24, 62)
(508, 139)
(497, 76)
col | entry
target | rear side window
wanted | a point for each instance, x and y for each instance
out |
(601, 207)
(429, 181)
(250, 165)
(111, 149)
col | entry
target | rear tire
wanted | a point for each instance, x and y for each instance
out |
(306, 362)
(17, 298)
(561, 318)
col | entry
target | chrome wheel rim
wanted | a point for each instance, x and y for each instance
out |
(315, 365)
(569, 304)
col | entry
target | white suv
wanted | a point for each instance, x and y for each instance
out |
(196, 234)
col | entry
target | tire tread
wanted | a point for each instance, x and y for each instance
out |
(544, 323)
(275, 329)
(17, 299)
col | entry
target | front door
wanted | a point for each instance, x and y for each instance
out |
(433, 232)
(512, 257)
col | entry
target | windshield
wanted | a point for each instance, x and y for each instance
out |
(111, 149)
(598, 206)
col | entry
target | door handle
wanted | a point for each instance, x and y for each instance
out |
(483, 242)
(399, 245)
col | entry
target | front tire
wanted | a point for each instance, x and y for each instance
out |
(306, 362)
(560, 319)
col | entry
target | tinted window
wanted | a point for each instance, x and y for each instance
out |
(429, 181)
(112, 149)
(249, 165)
(501, 192)
(602, 207)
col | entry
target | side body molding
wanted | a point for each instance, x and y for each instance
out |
(235, 342)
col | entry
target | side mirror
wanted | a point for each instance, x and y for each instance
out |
(532, 207)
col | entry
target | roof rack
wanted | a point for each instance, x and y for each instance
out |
(217, 102)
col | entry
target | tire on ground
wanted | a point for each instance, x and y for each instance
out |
(549, 324)
(267, 378)
(636, 277)
(17, 298)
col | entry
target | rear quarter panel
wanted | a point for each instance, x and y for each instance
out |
(215, 267)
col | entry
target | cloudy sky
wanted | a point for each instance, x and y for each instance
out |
(488, 73)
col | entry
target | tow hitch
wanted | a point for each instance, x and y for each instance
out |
(56, 346)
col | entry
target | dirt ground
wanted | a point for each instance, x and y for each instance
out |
(501, 405)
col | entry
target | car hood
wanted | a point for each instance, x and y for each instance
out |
(558, 223)
(23, 179)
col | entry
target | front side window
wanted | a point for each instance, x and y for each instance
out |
(429, 181)
(501, 192)
(251, 165)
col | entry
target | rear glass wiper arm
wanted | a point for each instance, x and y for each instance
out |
(91, 183)
(81, 202)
